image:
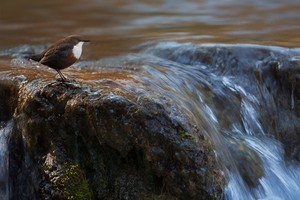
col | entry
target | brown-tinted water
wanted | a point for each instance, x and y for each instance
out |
(117, 26)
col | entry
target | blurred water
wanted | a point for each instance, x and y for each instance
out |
(117, 26)
(5, 130)
(253, 159)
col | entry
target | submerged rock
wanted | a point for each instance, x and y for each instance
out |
(109, 142)
(247, 161)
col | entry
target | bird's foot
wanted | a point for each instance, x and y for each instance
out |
(65, 80)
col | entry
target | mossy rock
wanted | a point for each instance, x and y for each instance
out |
(71, 183)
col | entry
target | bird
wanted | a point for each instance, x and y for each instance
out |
(62, 54)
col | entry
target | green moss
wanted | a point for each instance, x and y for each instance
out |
(73, 183)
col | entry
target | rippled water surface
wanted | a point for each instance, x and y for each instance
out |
(117, 26)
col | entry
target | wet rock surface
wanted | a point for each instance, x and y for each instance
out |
(120, 145)
(125, 135)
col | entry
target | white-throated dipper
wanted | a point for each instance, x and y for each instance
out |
(62, 54)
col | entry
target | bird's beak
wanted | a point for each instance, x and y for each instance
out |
(86, 40)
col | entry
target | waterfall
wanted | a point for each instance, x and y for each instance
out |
(238, 112)
(5, 131)
(280, 180)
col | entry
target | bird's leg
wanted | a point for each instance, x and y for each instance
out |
(61, 75)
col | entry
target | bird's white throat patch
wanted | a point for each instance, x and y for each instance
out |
(77, 50)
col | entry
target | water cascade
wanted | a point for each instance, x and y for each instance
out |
(5, 130)
(232, 96)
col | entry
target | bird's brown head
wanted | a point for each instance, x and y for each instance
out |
(74, 39)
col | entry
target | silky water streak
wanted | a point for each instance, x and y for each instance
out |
(5, 132)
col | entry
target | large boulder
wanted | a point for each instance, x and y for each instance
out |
(80, 141)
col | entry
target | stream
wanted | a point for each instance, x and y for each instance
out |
(214, 59)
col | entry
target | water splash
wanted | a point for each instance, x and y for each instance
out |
(5, 131)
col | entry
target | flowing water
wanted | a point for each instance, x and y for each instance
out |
(5, 130)
(214, 98)
(157, 43)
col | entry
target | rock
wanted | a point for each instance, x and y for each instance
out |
(247, 161)
(111, 143)
(123, 142)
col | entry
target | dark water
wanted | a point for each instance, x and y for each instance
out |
(127, 40)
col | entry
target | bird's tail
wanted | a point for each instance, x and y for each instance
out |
(36, 58)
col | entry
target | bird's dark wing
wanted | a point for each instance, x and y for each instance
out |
(57, 56)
